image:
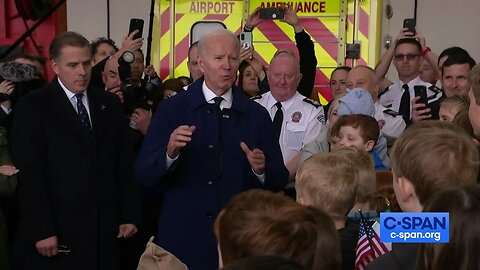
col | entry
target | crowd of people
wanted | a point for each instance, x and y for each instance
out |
(235, 166)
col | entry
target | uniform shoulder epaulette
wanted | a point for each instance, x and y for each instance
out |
(256, 97)
(312, 102)
(384, 91)
(438, 94)
(435, 89)
(391, 112)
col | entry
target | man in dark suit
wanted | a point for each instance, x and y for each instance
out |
(77, 191)
(204, 146)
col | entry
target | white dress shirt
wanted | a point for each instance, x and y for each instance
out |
(73, 99)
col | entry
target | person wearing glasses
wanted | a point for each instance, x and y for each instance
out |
(407, 60)
(408, 56)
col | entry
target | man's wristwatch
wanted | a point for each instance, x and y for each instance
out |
(247, 29)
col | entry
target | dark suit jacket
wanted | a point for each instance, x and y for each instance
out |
(75, 183)
(209, 170)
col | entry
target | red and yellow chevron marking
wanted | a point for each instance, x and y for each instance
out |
(321, 19)
(366, 30)
(321, 24)
(172, 62)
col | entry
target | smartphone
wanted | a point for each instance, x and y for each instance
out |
(136, 24)
(246, 39)
(421, 91)
(272, 13)
(410, 24)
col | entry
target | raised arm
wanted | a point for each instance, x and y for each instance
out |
(306, 50)
(430, 56)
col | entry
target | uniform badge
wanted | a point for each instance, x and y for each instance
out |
(381, 123)
(296, 117)
(321, 118)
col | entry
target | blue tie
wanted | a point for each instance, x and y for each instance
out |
(82, 112)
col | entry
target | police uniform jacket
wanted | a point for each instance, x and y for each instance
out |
(303, 119)
(209, 170)
(392, 96)
(389, 121)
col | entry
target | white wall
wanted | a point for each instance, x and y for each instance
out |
(89, 17)
(444, 23)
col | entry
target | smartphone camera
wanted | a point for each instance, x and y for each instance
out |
(421, 91)
(410, 24)
(246, 39)
(272, 13)
(136, 24)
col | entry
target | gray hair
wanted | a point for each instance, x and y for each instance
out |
(202, 42)
(288, 54)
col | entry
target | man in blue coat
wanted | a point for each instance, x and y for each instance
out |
(203, 147)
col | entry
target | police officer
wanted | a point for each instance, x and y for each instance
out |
(297, 120)
(398, 97)
(389, 121)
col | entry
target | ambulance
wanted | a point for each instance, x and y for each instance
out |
(334, 25)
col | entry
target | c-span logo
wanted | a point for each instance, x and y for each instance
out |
(414, 227)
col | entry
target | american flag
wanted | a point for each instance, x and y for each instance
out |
(368, 247)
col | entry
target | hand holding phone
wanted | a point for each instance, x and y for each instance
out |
(136, 24)
(421, 91)
(410, 24)
(420, 109)
(246, 39)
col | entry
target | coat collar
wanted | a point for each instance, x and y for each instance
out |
(67, 114)
(196, 98)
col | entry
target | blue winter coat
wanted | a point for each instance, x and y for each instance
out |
(209, 171)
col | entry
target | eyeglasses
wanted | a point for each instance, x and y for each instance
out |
(410, 57)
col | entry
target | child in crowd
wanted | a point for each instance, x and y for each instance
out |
(383, 200)
(363, 163)
(329, 182)
(454, 109)
(462, 204)
(258, 223)
(428, 157)
(264, 263)
(360, 101)
(321, 144)
(356, 101)
(452, 106)
(361, 131)
(332, 114)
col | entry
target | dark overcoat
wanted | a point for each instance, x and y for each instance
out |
(74, 183)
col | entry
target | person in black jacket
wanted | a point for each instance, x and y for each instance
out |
(77, 192)
(416, 178)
